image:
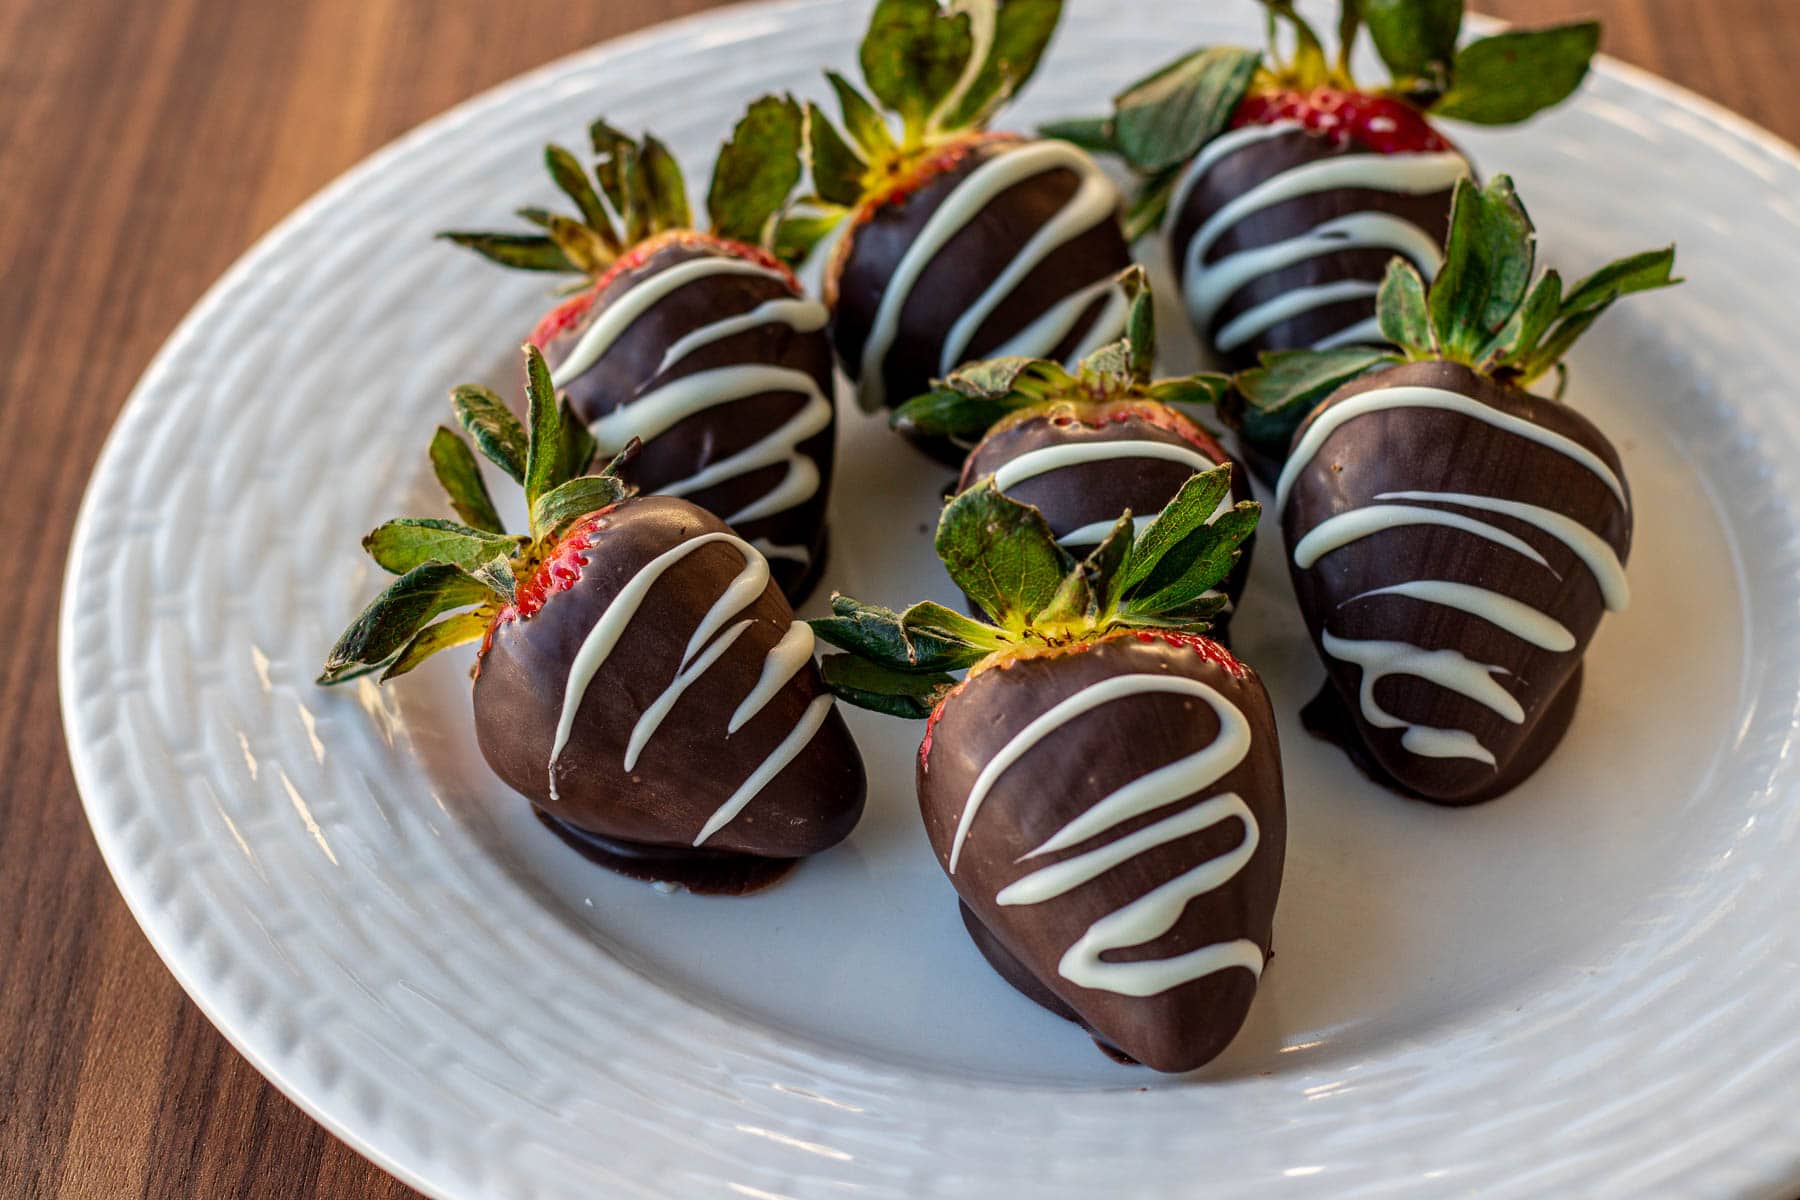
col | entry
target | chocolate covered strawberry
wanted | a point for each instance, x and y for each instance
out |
(1285, 185)
(697, 342)
(1454, 538)
(1086, 445)
(640, 679)
(954, 243)
(1104, 787)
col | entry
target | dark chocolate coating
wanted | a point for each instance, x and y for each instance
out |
(690, 766)
(1074, 496)
(1064, 775)
(1245, 168)
(1419, 449)
(962, 271)
(629, 369)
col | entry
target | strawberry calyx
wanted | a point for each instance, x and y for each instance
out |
(1111, 384)
(471, 572)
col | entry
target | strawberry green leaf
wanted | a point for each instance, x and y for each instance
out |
(1505, 78)
(1140, 324)
(757, 169)
(1093, 134)
(1002, 554)
(1189, 511)
(545, 446)
(1105, 563)
(1415, 38)
(862, 120)
(1145, 213)
(1163, 119)
(880, 689)
(451, 631)
(1072, 602)
(492, 427)
(1204, 390)
(639, 213)
(570, 501)
(1269, 401)
(399, 612)
(408, 542)
(456, 470)
(913, 55)
(1404, 318)
(1010, 52)
(537, 216)
(1594, 295)
(1520, 337)
(797, 234)
(668, 188)
(925, 638)
(1487, 268)
(967, 402)
(578, 443)
(1639, 272)
(612, 147)
(521, 251)
(837, 170)
(587, 250)
(1179, 587)
(496, 574)
(568, 175)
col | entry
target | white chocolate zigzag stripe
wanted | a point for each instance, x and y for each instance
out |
(1208, 286)
(1154, 913)
(964, 203)
(623, 310)
(653, 413)
(783, 661)
(1050, 458)
(1380, 399)
(1447, 668)
(657, 411)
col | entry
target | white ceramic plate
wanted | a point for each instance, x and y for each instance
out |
(1588, 988)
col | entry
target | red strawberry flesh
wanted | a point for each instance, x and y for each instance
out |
(1380, 123)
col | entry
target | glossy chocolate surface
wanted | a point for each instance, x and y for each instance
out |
(968, 263)
(633, 366)
(1236, 174)
(689, 767)
(1409, 449)
(1066, 774)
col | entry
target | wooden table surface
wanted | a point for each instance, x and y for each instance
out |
(144, 146)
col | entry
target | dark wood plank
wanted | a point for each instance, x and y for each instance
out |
(145, 146)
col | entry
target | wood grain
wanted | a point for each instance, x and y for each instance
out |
(144, 147)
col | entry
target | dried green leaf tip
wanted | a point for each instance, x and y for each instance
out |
(933, 73)
(967, 403)
(1037, 596)
(632, 190)
(1483, 308)
(469, 568)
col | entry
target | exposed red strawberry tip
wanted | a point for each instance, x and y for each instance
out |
(1204, 646)
(569, 313)
(1383, 124)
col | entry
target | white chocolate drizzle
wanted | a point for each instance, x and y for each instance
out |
(972, 194)
(799, 314)
(1208, 287)
(657, 411)
(653, 413)
(1068, 454)
(1327, 423)
(784, 660)
(1446, 668)
(1154, 913)
(623, 310)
